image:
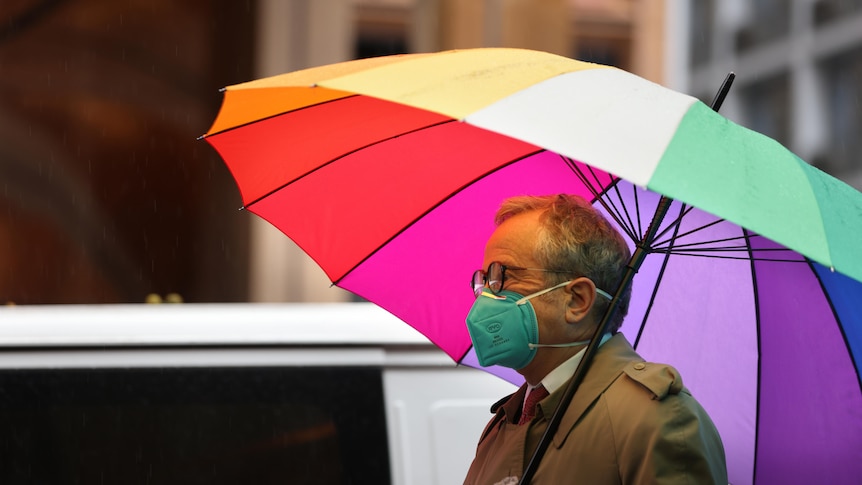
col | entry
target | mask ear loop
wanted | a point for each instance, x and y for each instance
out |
(542, 292)
(525, 299)
(570, 344)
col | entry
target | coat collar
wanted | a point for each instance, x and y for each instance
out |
(608, 363)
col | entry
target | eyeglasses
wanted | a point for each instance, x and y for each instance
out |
(495, 276)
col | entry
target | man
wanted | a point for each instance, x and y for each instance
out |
(548, 269)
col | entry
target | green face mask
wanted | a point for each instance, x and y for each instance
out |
(504, 329)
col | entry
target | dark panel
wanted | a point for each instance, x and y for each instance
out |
(189, 426)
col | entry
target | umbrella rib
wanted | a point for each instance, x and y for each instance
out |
(275, 115)
(691, 231)
(665, 243)
(637, 208)
(582, 177)
(692, 249)
(740, 258)
(828, 297)
(631, 224)
(659, 280)
(706, 249)
(702, 243)
(612, 210)
(595, 176)
(756, 295)
(697, 243)
(686, 209)
(343, 155)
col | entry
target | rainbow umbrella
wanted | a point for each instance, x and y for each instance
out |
(387, 171)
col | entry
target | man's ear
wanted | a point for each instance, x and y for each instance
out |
(582, 296)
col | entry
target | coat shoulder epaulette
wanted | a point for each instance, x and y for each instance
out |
(661, 380)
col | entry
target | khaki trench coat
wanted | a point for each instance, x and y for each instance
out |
(630, 422)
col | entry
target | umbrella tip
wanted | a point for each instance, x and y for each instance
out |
(221, 90)
(201, 137)
(242, 208)
(718, 100)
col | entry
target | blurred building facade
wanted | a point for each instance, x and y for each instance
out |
(799, 73)
(108, 197)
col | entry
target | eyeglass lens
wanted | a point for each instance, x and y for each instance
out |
(493, 278)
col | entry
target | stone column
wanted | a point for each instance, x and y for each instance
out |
(291, 35)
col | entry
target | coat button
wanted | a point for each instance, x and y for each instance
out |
(640, 366)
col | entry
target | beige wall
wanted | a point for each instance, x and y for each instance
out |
(648, 39)
(531, 24)
(294, 35)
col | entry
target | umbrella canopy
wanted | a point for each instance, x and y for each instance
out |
(387, 171)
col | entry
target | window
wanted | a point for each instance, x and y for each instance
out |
(767, 108)
(611, 51)
(843, 76)
(194, 425)
(700, 31)
(770, 20)
(826, 11)
(381, 30)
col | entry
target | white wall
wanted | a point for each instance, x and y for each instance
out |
(435, 417)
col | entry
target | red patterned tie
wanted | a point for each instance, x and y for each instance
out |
(529, 410)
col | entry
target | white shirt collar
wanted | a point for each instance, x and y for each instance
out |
(557, 377)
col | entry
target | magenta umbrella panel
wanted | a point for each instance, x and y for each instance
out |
(767, 341)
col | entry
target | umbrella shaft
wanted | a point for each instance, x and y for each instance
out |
(642, 248)
(634, 264)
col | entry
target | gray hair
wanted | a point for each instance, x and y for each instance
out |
(576, 238)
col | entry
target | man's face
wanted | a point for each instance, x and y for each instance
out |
(512, 244)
